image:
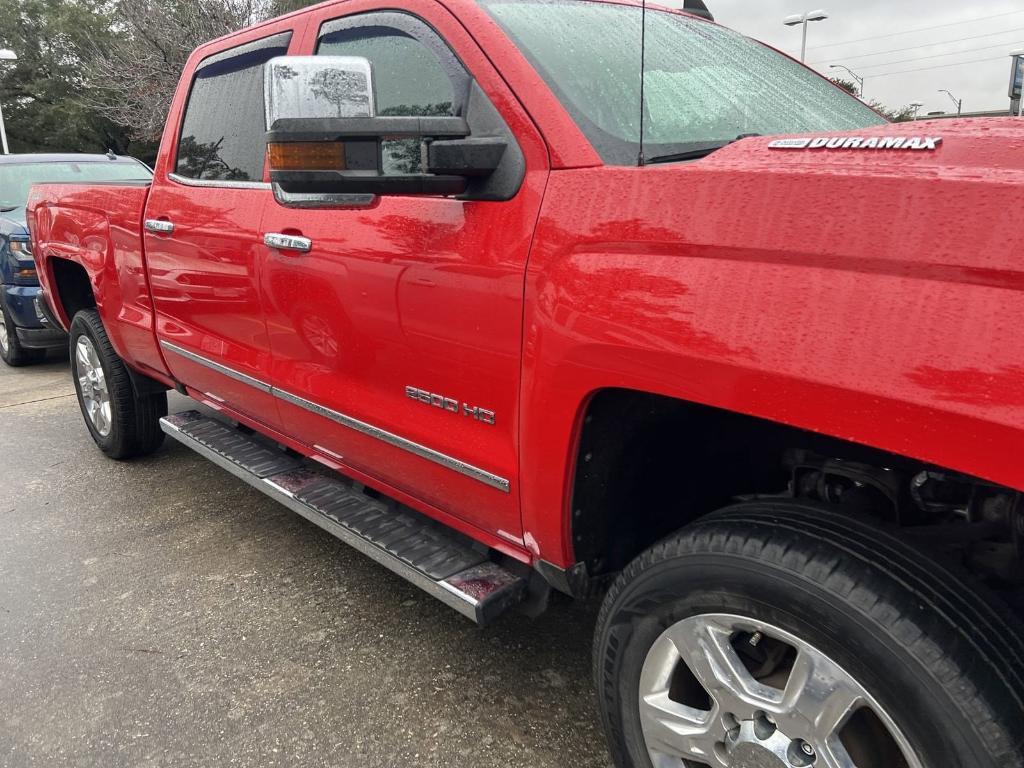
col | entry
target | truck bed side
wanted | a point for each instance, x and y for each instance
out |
(93, 233)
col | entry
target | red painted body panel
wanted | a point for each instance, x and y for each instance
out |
(206, 274)
(99, 227)
(205, 279)
(418, 292)
(871, 296)
(489, 538)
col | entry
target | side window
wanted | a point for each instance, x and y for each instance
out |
(222, 131)
(414, 71)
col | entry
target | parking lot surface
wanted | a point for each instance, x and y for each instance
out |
(161, 612)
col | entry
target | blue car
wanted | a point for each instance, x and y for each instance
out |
(26, 330)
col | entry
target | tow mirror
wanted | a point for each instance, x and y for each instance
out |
(325, 145)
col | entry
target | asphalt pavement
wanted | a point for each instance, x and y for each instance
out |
(162, 613)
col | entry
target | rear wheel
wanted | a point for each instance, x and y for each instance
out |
(122, 423)
(782, 635)
(11, 350)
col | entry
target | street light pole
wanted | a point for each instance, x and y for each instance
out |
(916, 105)
(5, 55)
(803, 20)
(854, 75)
(959, 102)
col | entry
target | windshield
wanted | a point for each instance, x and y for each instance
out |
(17, 178)
(704, 85)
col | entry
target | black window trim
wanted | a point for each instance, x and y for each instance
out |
(281, 39)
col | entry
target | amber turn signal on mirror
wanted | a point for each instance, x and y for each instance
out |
(307, 156)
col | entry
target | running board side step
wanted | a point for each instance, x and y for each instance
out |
(441, 561)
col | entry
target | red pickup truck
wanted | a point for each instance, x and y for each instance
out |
(459, 284)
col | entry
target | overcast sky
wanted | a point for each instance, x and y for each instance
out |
(995, 26)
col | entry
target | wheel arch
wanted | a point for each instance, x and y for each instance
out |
(72, 289)
(645, 465)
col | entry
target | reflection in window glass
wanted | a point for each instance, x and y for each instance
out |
(703, 84)
(222, 133)
(305, 88)
(408, 77)
(401, 156)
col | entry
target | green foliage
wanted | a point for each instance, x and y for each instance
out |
(38, 91)
(847, 85)
(900, 115)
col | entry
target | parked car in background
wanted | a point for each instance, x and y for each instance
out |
(26, 332)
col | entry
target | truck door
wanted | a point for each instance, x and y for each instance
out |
(202, 231)
(397, 336)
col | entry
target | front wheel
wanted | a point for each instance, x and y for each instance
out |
(784, 635)
(122, 423)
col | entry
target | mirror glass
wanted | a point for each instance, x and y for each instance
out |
(318, 86)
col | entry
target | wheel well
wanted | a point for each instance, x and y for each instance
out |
(73, 287)
(647, 465)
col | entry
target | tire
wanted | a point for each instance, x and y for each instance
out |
(941, 662)
(11, 350)
(131, 426)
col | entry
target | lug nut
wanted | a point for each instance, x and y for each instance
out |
(801, 754)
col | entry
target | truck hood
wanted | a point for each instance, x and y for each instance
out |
(986, 149)
(952, 213)
(13, 222)
(950, 209)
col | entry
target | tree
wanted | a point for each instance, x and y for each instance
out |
(847, 85)
(39, 91)
(133, 77)
(900, 115)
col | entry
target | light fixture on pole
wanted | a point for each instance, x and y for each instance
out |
(5, 55)
(854, 75)
(804, 19)
(959, 102)
(916, 106)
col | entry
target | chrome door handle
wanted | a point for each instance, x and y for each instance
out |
(287, 242)
(160, 226)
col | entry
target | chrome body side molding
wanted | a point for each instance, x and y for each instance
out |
(442, 459)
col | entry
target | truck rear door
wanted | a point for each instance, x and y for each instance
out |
(201, 226)
(397, 337)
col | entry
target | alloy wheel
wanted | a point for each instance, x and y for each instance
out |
(723, 691)
(92, 383)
